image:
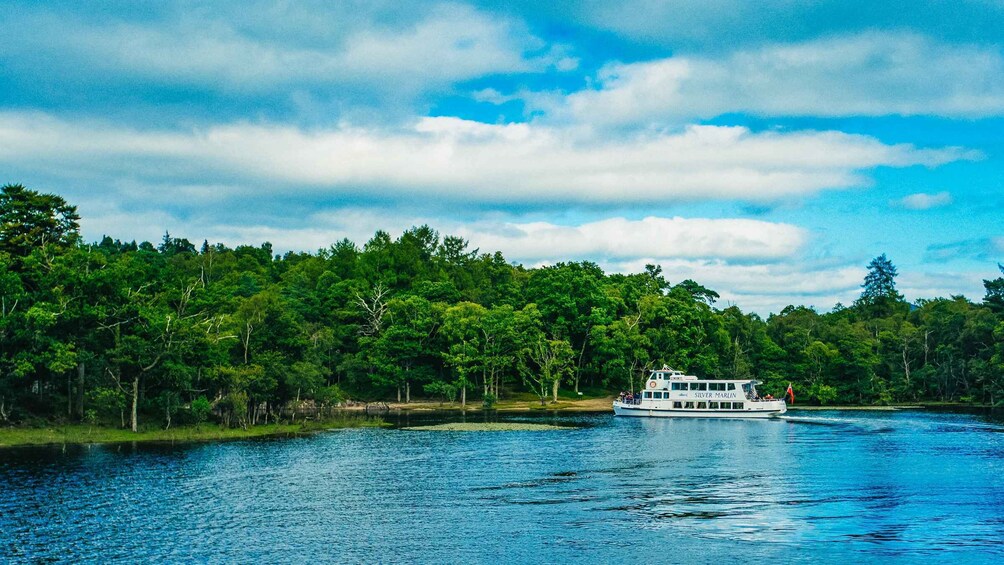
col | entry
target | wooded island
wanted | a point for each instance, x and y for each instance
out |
(117, 333)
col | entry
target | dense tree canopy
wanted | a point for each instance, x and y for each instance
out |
(128, 333)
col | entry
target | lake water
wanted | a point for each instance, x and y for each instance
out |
(903, 486)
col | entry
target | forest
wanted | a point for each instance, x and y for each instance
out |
(123, 334)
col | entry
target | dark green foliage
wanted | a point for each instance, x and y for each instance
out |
(30, 221)
(117, 332)
(879, 297)
(994, 298)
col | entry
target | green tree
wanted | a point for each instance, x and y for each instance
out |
(544, 364)
(994, 298)
(879, 296)
(31, 220)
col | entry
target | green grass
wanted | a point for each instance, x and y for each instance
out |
(82, 433)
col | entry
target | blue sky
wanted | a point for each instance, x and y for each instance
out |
(768, 151)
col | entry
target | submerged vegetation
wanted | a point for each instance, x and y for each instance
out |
(133, 335)
(83, 433)
(488, 427)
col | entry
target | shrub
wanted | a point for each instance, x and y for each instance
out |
(488, 401)
(200, 410)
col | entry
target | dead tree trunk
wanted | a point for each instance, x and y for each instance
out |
(135, 400)
(80, 389)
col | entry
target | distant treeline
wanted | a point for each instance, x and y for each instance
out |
(116, 332)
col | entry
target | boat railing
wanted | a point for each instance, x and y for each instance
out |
(630, 399)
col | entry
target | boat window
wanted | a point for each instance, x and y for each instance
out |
(713, 405)
(658, 394)
(676, 386)
(732, 386)
(648, 394)
(677, 405)
(702, 405)
(726, 406)
(700, 386)
(688, 405)
(737, 405)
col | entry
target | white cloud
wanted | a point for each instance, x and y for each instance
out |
(915, 285)
(613, 240)
(763, 287)
(617, 239)
(460, 160)
(869, 74)
(492, 96)
(923, 201)
(435, 45)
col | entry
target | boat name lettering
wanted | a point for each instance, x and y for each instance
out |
(711, 394)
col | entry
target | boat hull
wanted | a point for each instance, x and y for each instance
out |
(639, 411)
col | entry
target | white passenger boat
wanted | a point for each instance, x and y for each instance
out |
(670, 393)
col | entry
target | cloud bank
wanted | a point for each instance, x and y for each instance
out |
(461, 160)
(868, 74)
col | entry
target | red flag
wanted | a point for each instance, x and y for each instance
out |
(790, 393)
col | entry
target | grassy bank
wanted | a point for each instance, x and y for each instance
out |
(519, 403)
(81, 433)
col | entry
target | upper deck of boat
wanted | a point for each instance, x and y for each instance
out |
(671, 375)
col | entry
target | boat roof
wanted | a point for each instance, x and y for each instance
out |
(674, 375)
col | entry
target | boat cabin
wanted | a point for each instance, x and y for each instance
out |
(668, 384)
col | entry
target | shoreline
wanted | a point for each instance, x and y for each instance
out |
(82, 434)
(588, 405)
(599, 405)
(353, 417)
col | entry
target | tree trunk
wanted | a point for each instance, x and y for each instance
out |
(463, 396)
(578, 367)
(554, 390)
(399, 394)
(80, 390)
(407, 392)
(135, 401)
(69, 395)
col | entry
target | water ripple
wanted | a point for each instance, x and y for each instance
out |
(831, 486)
